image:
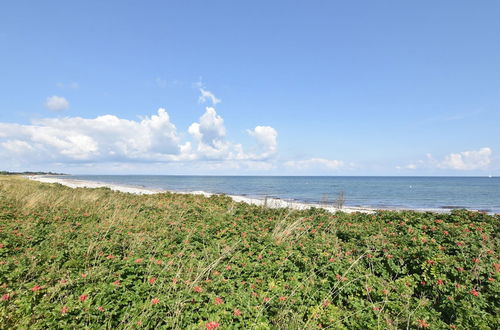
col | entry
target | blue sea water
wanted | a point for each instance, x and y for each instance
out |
(477, 193)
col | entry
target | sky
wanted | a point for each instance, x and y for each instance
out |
(250, 87)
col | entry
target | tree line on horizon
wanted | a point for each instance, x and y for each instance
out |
(29, 173)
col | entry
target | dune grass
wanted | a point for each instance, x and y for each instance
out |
(94, 258)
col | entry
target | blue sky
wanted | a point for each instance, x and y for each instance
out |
(305, 87)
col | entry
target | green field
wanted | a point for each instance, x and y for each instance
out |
(93, 258)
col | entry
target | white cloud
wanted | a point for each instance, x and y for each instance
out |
(411, 166)
(108, 138)
(461, 161)
(207, 95)
(57, 103)
(17, 146)
(210, 130)
(315, 163)
(266, 138)
(103, 138)
(467, 160)
(209, 135)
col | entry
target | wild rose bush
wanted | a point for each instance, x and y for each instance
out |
(74, 258)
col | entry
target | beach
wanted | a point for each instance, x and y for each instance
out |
(268, 202)
(358, 194)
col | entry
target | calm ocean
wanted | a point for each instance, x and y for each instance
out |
(480, 193)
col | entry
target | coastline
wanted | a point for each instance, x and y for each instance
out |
(91, 252)
(268, 202)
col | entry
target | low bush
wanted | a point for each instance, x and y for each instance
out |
(93, 258)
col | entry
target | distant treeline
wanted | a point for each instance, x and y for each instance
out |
(29, 173)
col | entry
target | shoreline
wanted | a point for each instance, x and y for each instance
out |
(268, 202)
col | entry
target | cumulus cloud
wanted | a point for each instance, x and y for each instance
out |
(315, 163)
(266, 138)
(208, 96)
(467, 160)
(209, 135)
(17, 146)
(460, 161)
(210, 129)
(101, 139)
(56, 103)
(109, 138)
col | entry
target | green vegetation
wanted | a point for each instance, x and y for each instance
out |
(29, 173)
(93, 258)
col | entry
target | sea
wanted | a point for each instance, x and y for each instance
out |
(378, 192)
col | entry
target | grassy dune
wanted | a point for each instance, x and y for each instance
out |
(93, 258)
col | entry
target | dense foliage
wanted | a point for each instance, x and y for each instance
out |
(74, 258)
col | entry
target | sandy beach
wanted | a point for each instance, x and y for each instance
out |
(269, 202)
